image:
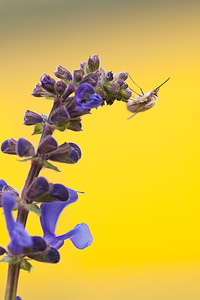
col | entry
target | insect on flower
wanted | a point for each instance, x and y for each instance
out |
(143, 101)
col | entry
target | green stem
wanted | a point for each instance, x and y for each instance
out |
(12, 281)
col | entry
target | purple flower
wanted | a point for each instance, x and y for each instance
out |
(86, 98)
(19, 236)
(80, 236)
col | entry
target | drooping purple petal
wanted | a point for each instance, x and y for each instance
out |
(93, 101)
(80, 236)
(18, 235)
(49, 218)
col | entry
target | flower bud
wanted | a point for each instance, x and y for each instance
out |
(73, 157)
(121, 75)
(93, 63)
(74, 125)
(18, 298)
(50, 256)
(9, 146)
(109, 76)
(24, 148)
(39, 243)
(2, 251)
(78, 75)
(59, 115)
(60, 87)
(48, 144)
(124, 94)
(83, 65)
(91, 78)
(39, 91)
(11, 190)
(76, 148)
(120, 82)
(60, 192)
(48, 83)
(38, 188)
(2, 184)
(65, 154)
(69, 90)
(32, 118)
(63, 73)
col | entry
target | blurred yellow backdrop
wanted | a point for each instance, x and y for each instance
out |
(141, 177)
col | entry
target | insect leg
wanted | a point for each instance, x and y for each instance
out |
(131, 116)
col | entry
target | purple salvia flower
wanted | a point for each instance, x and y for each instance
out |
(19, 236)
(86, 98)
(80, 235)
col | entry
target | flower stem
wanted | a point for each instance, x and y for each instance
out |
(12, 281)
(14, 268)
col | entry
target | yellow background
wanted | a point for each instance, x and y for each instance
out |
(141, 176)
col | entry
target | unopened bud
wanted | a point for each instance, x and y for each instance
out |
(32, 118)
(50, 256)
(48, 144)
(39, 243)
(74, 125)
(91, 78)
(124, 94)
(69, 90)
(9, 146)
(39, 91)
(76, 148)
(93, 63)
(60, 192)
(121, 75)
(24, 148)
(11, 190)
(60, 87)
(48, 83)
(63, 73)
(2, 184)
(65, 154)
(78, 75)
(38, 188)
(59, 115)
(2, 251)
(109, 76)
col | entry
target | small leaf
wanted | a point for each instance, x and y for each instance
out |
(25, 159)
(49, 97)
(38, 128)
(25, 265)
(48, 165)
(33, 207)
(9, 259)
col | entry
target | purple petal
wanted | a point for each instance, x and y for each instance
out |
(80, 236)
(49, 218)
(19, 236)
(82, 90)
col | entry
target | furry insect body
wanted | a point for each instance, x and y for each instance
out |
(143, 101)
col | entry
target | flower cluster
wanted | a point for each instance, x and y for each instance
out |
(73, 95)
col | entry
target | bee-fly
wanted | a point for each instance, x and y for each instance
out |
(143, 101)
